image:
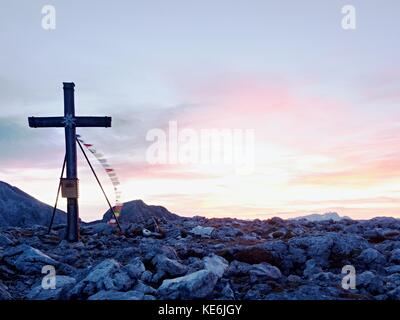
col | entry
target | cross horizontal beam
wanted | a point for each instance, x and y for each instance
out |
(47, 122)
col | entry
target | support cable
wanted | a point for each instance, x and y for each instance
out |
(58, 194)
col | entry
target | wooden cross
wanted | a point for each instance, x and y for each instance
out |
(69, 121)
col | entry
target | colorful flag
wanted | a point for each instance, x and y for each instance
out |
(111, 174)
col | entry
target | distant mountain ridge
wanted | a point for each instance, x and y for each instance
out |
(322, 217)
(19, 209)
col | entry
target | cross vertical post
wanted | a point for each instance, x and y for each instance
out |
(72, 168)
(69, 122)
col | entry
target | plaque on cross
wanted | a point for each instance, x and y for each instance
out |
(69, 122)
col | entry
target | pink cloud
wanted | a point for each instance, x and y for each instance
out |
(383, 86)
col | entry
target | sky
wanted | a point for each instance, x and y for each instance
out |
(322, 101)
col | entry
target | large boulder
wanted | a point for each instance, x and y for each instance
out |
(63, 284)
(135, 268)
(169, 267)
(274, 252)
(204, 232)
(27, 259)
(107, 275)
(197, 285)
(371, 282)
(371, 258)
(330, 248)
(216, 264)
(263, 272)
(237, 268)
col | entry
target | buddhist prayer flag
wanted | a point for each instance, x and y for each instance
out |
(111, 174)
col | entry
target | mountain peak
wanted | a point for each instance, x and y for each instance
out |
(19, 209)
(137, 211)
(322, 217)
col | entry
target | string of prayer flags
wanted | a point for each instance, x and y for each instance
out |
(111, 174)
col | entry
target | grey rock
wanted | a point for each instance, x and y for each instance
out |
(194, 264)
(227, 292)
(294, 279)
(197, 285)
(250, 237)
(27, 259)
(216, 265)
(157, 277)
(322, 248)
(151, 248)
(145, 289)
(390, 234)
(258, 292)
(237, 268)
(120, 281)
(169, 266)
(395, 256)
(100, 228)
(98, 278)
(372, 258)
(371, 282)
(317, 247)
(135, 268)
(4, 294)
(205, 232)
(394, 294)
(392, 281)
(146, 276)
(274, 252)
(4, 241)
(326, 279)
(226, 232)
(312, 268)
(383, 222)
(63, 284)
(264, 271)
(115, 295)
(103, 270)
(307, 292)
(393, 269)
(381, 297)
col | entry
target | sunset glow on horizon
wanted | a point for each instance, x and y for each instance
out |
(323, 104)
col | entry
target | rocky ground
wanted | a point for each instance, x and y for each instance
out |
(198, 258)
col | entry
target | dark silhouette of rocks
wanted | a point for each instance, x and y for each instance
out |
(271, 259)
(137, 211)
(18, 209)
(200, 258)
